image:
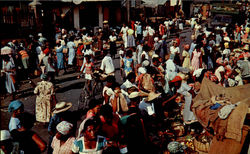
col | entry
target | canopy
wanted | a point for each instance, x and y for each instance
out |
(153, 3)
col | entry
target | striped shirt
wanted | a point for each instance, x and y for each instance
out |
(24, 54)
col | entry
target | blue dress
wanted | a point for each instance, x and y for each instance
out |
(59, 55)
(127, 65)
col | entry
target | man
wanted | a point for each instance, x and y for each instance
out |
(107, 65)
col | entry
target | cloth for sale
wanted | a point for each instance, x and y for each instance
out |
(201, 104)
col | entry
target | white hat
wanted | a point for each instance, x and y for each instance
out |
(155, 56)
(145, 63)
(134, 95)
(156, 39)
(40, 34)
(227, 39)
(61, 107)
(142, 70)
(217, 28)
(5, 135)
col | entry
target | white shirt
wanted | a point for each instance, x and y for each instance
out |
(112, 38)
(88, 52)
(217, 72)
(145, 33)
(124, 30)
(151, 31)
(174, 50)
(107, 65)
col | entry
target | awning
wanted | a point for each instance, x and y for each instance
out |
(153, 3)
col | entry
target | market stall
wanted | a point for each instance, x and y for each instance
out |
(223, 112)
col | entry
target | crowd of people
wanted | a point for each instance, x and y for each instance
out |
(150, 111)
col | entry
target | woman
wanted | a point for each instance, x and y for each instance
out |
(131, 39)
(8, 69)
(186, 57)
(71, 46)
(16, 109)
(63, 140)
(128, 63)
(79, 55)
(45, 100)
(59, 55)
(196, 60)
(29, 141)
(90, 142)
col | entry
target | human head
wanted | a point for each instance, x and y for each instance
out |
(64, 129)
(105, 52)
(110, 80)
(95, 105)
(129, 53)
(87, 57)
(155, 61)
(5, 141)
(106, 112)
(131, 77)
(90, 129)
(16, 107)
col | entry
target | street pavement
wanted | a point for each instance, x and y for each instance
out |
(68, 89)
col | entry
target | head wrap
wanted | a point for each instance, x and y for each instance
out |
(176, 79)
(64, 127)
(14, 105)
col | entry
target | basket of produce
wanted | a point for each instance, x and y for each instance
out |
(202, 143)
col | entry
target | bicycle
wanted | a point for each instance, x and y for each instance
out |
(97, 87)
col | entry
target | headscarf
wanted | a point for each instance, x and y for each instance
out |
(14, 105)
(64, 127)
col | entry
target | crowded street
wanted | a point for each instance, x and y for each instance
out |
(169, 80)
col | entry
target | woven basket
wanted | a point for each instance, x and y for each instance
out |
(201, 147)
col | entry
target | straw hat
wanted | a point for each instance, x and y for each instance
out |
(61, 107)
(134, 95)
(105, 21)
(152, 96)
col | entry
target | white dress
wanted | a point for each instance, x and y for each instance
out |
(9, 83)
(188, 115)
(72, 53)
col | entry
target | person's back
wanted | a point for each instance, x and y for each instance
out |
(29, 141)
(107, 65)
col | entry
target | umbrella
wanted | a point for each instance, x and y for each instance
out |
(6, 50)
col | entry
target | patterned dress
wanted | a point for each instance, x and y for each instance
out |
(186, 61)
(196, 60)
(44, 100)
(127, 65)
